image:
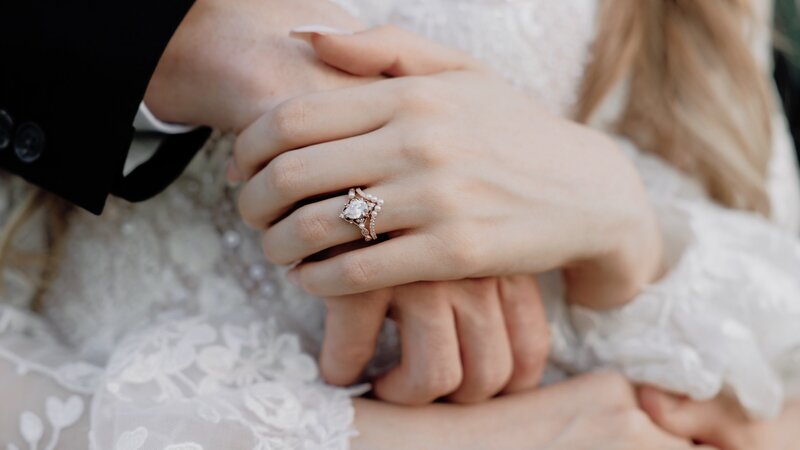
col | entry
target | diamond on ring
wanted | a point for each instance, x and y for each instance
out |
(362, 210)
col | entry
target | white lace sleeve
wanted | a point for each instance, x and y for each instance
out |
(164, 329)
(218, 382)
(190, 384)
(726, 317)
(45, 388)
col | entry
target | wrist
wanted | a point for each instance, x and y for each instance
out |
(229, 62)
(202, 78)
(615, 277)
(627, 254)
(165, 96)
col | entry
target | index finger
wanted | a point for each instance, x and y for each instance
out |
(312, 119)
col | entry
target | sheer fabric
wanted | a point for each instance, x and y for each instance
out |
(165, 328)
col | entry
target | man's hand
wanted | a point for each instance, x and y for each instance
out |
(468, 340)
(231, 60)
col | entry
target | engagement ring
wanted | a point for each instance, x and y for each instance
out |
(362, 211)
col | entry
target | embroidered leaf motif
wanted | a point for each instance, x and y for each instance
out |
(63, 414)
(132, 440)
(81, 374)
(184, 446)
(209, 414)
(31, 428)
(274, 404)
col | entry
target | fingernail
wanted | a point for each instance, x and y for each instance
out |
(232, 174)
(305, 32)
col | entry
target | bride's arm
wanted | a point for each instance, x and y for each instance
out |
(721, 422)
(727, 303)
(590, 412)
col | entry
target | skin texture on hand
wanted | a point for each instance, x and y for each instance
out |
(467, 340)
(720, 422)
(231, 60)
(588, 412)
(478, 181)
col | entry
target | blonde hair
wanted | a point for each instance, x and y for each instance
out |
(35, 265)
(696, 95)
(696, 98)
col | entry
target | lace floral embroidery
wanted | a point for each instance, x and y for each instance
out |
(59, 414)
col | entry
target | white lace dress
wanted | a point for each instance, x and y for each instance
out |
(165, 329)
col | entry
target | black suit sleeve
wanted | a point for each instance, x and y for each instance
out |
(72, 74)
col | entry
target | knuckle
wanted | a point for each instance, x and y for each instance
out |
(435, 383)
(424, 147)
(285, 174)
(443, 201)
(464, 258)
(461, 251)
(287, 120)
(491, 380)
(355, 273)
(311, 227)
(533, 360)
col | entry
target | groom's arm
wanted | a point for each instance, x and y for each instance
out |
(66, 61)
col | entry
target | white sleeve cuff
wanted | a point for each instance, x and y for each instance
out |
(147, 121)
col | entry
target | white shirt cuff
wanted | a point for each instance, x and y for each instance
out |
(147, 121)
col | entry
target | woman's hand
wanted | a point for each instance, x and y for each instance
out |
(721, 422)
(589, 412)
(467, 340)
(477, 179)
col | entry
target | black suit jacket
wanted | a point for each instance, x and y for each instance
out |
(787, 77)
(72, 74)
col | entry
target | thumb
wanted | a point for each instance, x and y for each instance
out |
(383, 50)
(718, 422)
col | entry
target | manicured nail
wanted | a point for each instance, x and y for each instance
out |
(232, 174)
(305, 32)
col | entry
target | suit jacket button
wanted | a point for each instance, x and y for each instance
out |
(6, 129)
(29, 142)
